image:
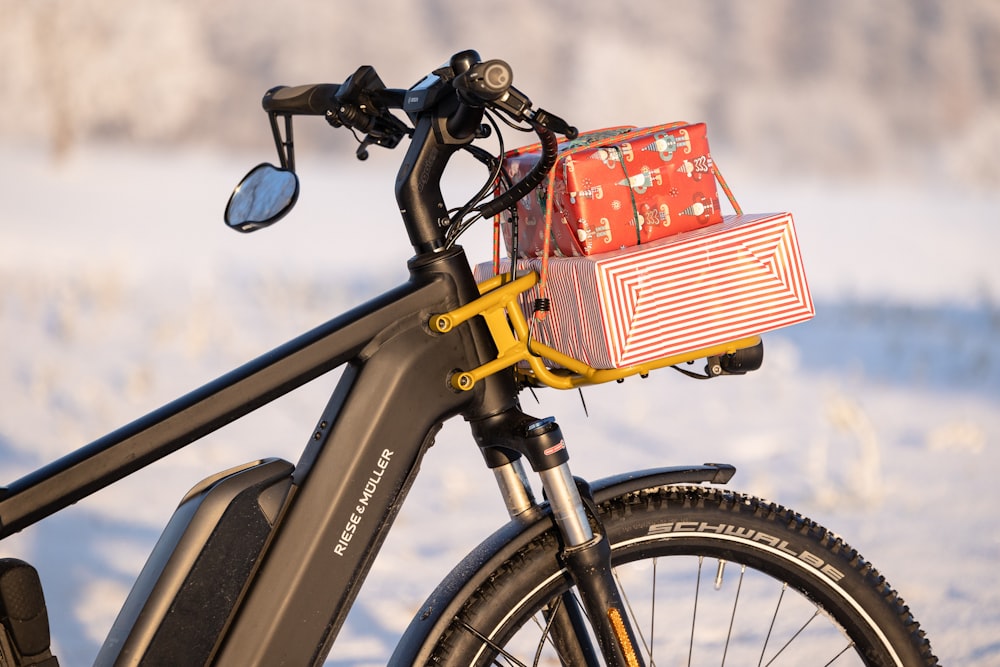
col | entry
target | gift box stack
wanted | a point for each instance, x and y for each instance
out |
(617, 188)
(642, 264)
(680, 294)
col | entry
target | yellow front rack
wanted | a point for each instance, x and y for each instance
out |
(499, 306)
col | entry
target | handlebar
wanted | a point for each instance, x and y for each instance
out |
(446, 108)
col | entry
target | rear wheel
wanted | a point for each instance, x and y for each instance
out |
(709, 577)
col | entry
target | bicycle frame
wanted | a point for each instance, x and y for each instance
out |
(362, 456)
(260, 564)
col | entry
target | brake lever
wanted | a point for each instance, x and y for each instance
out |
(380, 127)
(517, 105)
(554, 123)
(389, 139)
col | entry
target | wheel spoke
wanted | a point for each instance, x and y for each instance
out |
(774, 619)
(732, 615)
(546, 631)
(565, 603)
(499, 649)
(793, 637)
(694, 611)
(842, 652)
(652, 616)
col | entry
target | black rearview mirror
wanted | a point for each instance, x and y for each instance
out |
(263, 197)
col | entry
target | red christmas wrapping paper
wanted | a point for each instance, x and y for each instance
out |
(617, 188)
(682, 293)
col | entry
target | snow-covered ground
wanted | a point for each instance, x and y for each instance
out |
(120, 289)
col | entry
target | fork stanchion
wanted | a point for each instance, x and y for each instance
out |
(514, 487)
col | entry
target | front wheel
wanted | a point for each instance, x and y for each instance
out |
(709, 577)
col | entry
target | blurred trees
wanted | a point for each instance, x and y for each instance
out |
(826, 86)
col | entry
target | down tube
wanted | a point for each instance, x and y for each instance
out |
(158, 434)
(349, 486)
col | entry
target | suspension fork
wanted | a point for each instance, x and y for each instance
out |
(564, 618)
(586, 550)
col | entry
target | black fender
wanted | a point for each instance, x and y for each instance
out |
(441, 606)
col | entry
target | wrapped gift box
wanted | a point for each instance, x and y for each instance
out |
(617, 188)
(682, 293)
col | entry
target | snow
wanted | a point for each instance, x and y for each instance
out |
(122, 289)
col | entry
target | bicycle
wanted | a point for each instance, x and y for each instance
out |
(261, 563)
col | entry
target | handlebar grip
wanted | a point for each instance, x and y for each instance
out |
(550, 153)
(484, 82)
(309, 100)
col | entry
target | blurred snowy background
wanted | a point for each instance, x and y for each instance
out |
(903, 87)
(123, 127)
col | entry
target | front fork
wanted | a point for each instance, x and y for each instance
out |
(586, 550)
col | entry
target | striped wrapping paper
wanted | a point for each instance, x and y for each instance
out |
(740, 278)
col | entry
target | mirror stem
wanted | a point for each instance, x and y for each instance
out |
(285, 147)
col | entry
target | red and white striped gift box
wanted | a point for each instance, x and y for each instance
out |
(680, 294)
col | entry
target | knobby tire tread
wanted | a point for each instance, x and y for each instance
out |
(622, 515)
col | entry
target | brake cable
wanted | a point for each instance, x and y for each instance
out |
(495, 165)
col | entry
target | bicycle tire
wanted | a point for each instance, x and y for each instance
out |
(850, 614)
